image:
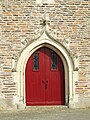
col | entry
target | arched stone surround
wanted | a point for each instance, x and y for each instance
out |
(19, 75)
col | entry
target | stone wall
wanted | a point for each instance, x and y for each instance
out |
(21, 21)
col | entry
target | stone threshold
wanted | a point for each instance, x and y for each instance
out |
(46, 107)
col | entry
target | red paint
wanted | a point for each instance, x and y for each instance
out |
(45, 86)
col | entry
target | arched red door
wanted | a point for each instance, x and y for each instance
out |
(44, 74)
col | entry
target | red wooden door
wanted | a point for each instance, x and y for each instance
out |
(45, 83)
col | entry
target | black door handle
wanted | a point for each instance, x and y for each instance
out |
(46, 85)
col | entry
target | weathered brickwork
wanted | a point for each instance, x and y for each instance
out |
(21, 21)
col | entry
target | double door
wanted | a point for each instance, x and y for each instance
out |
(44, 74)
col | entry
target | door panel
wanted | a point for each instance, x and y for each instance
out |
(35, 92)
(45, 78)
(55, 89)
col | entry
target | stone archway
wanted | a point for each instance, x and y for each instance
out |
(68, 66)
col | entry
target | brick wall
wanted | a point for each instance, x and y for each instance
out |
(21, 22)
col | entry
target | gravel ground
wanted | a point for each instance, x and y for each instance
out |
(46, 114)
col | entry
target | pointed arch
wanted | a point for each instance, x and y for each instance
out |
(64, 55)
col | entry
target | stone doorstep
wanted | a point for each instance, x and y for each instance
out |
(45, 107)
